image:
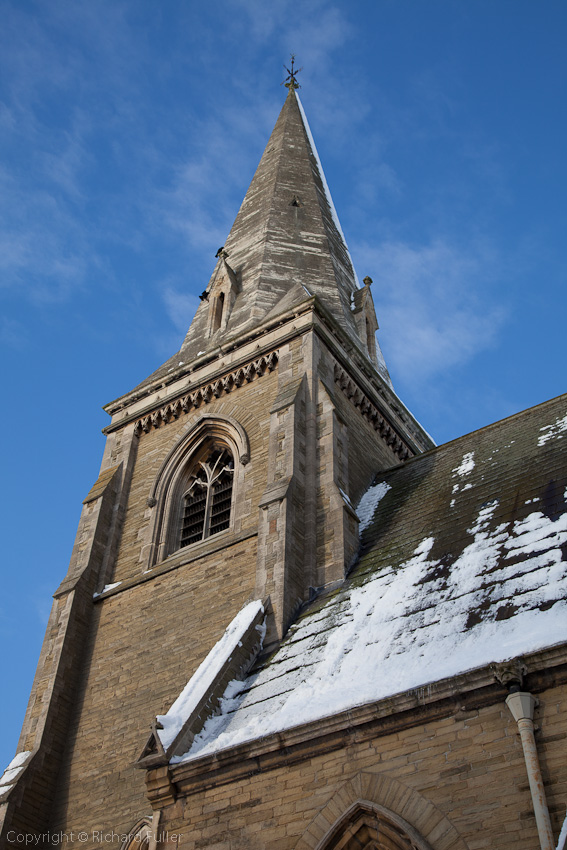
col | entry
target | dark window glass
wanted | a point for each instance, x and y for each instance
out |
(207, 500)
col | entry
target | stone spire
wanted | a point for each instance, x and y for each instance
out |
(286, 241)
(285, 246)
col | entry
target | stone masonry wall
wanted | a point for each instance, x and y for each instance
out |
(146, 643)
(148, 637)
(349, 453)
(367, 451)
(460, 781)
(250, 406)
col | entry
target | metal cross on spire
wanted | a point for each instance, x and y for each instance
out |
(290, 82)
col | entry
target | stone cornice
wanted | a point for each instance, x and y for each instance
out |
(379, 421)
(199, 395)
(377, 401)
(454, 696)
(231, 344)
(204, 394)
(354, 360)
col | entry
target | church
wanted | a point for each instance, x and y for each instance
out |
(291, 621)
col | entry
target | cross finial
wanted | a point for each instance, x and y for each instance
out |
(290, 82)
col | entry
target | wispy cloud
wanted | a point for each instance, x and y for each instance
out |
(76, 105)
(205, 188)
(199, 200)
(91, 170)
(43, 252)
(73, 126)
(181, 307)
(316, 37)
(434, 304)
(319, 28)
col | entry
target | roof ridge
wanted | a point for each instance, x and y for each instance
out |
(489, 426)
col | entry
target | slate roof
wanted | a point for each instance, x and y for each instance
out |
(286, 239)
(463, 563)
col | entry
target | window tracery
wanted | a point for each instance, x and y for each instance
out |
(207, 500)
(195, 493)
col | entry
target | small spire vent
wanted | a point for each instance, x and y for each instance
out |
(295, 202)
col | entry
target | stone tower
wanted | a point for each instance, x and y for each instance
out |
(232, 473)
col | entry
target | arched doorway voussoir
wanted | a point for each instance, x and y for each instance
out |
(371, 802)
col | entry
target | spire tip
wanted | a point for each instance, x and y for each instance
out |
(290, 81)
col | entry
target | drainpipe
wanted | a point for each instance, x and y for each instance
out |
(522, 705)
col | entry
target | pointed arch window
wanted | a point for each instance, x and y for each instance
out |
(197, 489)
(208, 497)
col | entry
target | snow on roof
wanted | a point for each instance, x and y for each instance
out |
(436, 592)
(369, 502)
(203, 678)
(398, 630)
(466, 465)
(556, 429)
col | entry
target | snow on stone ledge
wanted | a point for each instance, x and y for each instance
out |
(203, 678)
(106, 588)
(13, 770)
(369, 503)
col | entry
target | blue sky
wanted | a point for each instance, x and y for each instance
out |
(129, 132)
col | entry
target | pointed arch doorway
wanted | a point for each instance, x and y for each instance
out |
(368, 826)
